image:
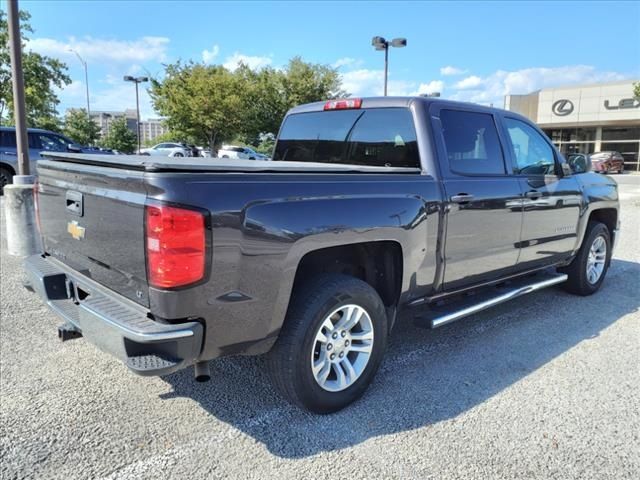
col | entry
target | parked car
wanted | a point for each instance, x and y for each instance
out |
(167, 149)
(39, 141)
(242, 153)
(370, 207)
(607, 162)
(193, 150)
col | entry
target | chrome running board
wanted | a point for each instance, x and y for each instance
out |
(441, 320)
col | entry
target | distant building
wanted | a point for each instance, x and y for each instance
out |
(104, 119)
(151, 129)
(586, 118)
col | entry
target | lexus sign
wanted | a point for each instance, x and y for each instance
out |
(562, 108)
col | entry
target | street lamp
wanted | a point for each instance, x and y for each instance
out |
(379, 43)
(86, 78)
(137, 80)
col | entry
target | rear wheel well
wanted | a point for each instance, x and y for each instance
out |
(8, 167)
(608, 216)
(377, 263)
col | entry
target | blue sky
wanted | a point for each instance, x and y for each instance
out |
(472, 51)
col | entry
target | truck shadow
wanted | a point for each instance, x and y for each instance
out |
(427, 377)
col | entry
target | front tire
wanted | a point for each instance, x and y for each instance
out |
(587, 270)
(331, 344)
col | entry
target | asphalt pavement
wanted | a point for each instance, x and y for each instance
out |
(544, 387)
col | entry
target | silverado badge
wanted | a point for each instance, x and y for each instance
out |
(75, 230)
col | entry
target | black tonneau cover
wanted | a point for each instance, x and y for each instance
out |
(197, 164)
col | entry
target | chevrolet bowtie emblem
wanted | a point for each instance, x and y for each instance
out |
(75, 230)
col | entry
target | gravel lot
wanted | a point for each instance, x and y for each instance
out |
(546, 387)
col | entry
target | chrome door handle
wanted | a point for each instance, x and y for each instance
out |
(533, 194)
(462, 198)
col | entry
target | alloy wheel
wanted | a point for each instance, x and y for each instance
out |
(596, 259)
(342, 348)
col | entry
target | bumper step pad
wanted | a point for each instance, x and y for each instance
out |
(142, 364)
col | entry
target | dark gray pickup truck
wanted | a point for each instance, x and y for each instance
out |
(369, 207)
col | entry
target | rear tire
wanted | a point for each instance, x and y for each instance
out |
(320, 363)
(6, 178)
(589, 267)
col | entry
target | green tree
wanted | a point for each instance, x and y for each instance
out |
(308, 82)
(269, 93)
(120, 137)
(42, 75)
(636, 90)
(165, 137)
(200, 102)
(209, 104)
(80, 128)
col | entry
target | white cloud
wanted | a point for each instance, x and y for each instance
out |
(492, 88)
(254, 63)
(209, 55)
(346, 62)
(470, 82)
(116, 96)
(363, 82)
(431, 87)
(96, 49)
(450, 70)
(367, 83)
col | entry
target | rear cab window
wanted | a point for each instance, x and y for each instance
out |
(372, 137)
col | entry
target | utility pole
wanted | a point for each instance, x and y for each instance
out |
(23, 238)
(19, 110)
(137, 81)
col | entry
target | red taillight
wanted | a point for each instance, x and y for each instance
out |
(176, 247)
(346, 104)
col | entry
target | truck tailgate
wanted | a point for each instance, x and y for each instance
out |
(92, 220)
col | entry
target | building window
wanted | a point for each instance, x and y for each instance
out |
(585, 135)
(621, 133)
(571, 134)
(568, 148)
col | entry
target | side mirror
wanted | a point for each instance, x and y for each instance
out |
(74, 148)
(578, 164)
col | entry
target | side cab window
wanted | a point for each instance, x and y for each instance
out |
(531, 153)
(472, 143)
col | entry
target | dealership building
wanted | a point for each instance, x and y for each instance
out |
(587, 118)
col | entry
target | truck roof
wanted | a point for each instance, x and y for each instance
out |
(386, 102)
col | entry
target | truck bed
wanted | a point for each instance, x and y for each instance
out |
(192, 164)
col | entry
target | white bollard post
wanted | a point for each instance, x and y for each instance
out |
(23, 236)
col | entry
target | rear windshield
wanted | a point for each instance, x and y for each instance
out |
(374, 137)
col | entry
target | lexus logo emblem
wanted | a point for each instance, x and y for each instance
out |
(562, 108)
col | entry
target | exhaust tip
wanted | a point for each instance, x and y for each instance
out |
(201, 371)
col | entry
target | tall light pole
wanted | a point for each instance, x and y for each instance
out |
(137, 80)
(379, 43)
(19, 203)
(86, 79)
